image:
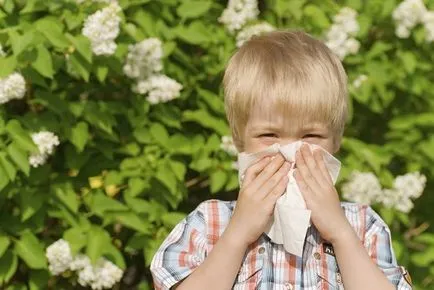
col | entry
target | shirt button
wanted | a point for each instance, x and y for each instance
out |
(261, 250)
(288, 286)
(317, 256)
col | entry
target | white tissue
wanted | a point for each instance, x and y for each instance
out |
(291, 218)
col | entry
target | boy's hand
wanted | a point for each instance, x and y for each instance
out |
(263, 184)
(320, 195)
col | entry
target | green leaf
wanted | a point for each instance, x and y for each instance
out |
(205, 119)
(136, 185)
(53, 31)
(21, 42)
(101, 203)
(113, 254)
(19, 157)
(38, 280)
(8, 266)
(20, 136)
(7, 66)
(218, 180)
(97, 239)
(82, 44)
(80, 65)
(166, 176)
(80, 135)
(317, 16)
(409, 61)
(43, 63)
(4, 243)
(195, 33)
(76, 238)
(31, 251)
(30, 203)
(66, 194)
(4, 180)
(159, 134)
(193, 8)
(130, 220)
(101, 73)
(179, 169)
(8, 167)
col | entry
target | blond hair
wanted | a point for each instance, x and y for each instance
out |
(291, 72)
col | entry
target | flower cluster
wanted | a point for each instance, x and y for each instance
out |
(428, 21)
(46, 142)
(144, 59)
(238, 13)
(248, 32)
(365, 188)
(357, 83)
(102, 27)
(144, 64)
(340, 38)
(362, 187)
(103, 275)
(405, 188)
(160, 88)
(59, 257)
(12, 87)
(227, 145)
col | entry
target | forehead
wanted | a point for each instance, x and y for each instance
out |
(263, 117)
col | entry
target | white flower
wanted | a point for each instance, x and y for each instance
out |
(250, 31)
(362, 187)
(86, 276)
(59, 257)
(144, 59)
(428, 21)
(159, 88)
(12, 87)
(2, 53)
(227, 145)
(346, 19)
(410, 185)
(80, 262)
(238, 13)
(357, 83)
(365, 188)
(402, 31)
(340, 37)
(102, 28)
(107, 275)
(407, 15)
(46, 142)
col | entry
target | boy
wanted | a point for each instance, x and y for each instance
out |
(281, 87)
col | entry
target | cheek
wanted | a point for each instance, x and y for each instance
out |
(255, 145)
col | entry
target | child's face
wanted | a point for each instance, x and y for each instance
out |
(264, 129)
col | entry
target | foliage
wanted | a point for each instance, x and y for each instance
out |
(127, 171)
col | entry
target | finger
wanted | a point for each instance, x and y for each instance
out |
(273, 181)
(266, 173)
(277, 192)
(303, 186)
(310, 162)
(254, 169)
(304, 171)
(319, 157)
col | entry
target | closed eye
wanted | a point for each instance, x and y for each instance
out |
(312, 136)
(270, 135)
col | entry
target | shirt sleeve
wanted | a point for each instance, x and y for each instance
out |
(379, 244)
(181, 252)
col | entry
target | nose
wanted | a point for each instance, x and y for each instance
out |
(286, 141)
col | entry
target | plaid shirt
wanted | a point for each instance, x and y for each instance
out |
(267, 265)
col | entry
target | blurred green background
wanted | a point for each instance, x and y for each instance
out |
(112, 125)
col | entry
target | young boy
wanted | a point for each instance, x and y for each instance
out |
(281, 87)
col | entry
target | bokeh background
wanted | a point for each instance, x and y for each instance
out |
(112, 126)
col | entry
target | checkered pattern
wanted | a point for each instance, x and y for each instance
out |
(267, 266)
